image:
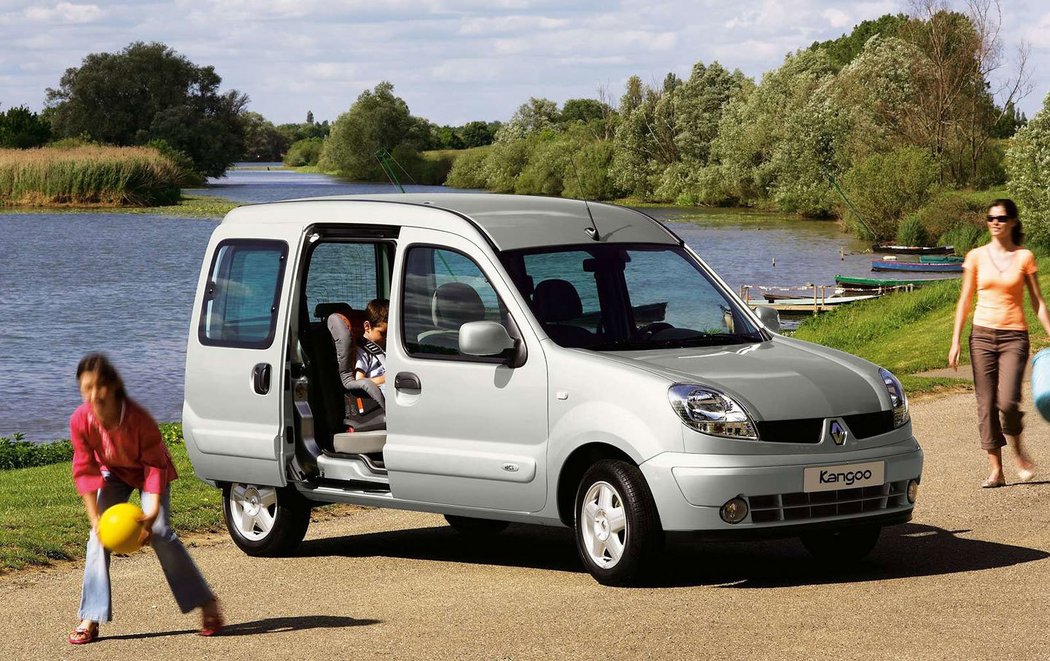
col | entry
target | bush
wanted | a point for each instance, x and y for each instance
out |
(911, 232)
(468, 169)
(16, 452)
(304, 152)
(89, 176)
(884, 188)
(1028, 169)
(965, 236)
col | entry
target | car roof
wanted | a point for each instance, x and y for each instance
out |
(512, 222)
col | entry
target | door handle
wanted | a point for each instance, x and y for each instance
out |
(407, 381)
(261, 378)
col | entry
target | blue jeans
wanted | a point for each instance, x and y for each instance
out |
(184, 579)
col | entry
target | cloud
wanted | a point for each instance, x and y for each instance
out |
(64, 12)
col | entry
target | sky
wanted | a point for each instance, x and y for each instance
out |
(452, 61)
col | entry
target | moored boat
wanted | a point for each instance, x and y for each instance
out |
(941, 259)
(857, 282)
(914, 250)
(894, 265)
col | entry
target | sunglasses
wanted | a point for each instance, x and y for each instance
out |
(999, 219)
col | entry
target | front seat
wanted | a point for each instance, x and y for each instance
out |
(555, 302)
(453, 304)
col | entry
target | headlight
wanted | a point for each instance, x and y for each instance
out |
(897, 398)
(711, 412)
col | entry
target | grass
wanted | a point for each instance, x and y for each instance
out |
(188, 206)
(908, 332)
(42, 518)
(88, 176)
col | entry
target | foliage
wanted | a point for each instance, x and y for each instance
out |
(468, 169)
(21, 128)
(532, 117)
(1028, 168)
(478, 133)
(885, 187)
(911, 232)
(16, 452)
(308, 129)
(147, 92)
(86, 176)
(964, 237)
(845, 49)
(262, 141)
(946, 210)
(304, 152)
(504, 163)
(700, 103)
(377, 120)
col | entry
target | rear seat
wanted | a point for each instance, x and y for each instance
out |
(372, 434)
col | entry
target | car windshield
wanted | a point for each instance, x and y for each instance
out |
(618, 297)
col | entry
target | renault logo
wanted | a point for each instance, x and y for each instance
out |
(838, 432)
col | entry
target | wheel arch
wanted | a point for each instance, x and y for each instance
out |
(572, 470)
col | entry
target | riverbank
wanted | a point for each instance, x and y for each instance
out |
(188, 206)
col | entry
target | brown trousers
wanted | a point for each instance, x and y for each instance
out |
(999, 358)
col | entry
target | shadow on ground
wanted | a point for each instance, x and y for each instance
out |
(268, 625)
(904, 551)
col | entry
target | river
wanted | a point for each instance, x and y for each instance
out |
(123, 284)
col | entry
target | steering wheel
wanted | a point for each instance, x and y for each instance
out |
(647, 331)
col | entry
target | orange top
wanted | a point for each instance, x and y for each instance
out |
(1000, 292)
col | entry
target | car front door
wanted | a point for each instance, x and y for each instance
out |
(461, 430)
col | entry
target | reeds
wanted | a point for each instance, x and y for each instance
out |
(88, 176)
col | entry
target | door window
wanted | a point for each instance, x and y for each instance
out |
(443, 290)
(244, 285)
(343, 273)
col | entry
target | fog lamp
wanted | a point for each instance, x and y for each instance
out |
(734, 511)
(913, 491)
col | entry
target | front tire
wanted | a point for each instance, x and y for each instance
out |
(842, 547)
(617, 526)
(265, 521)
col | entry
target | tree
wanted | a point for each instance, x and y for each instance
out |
(377, 120)
(701, 101)
(846, 48)
(529, 118)
(583, 111)
(262, 140)
(148, 92)
(1028, 170)
(21, 128)
(478, 133)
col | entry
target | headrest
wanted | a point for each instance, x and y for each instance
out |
(556, 300)
(455, 304)
(322, 310)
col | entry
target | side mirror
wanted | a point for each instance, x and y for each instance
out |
(484, 338)
(769, 317)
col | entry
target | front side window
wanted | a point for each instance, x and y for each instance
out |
(610, 297)
(443, 289)
(244, 285)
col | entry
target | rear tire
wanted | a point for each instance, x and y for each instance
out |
(618, 531)
(466, 525)
(842, 547)
(265, 521)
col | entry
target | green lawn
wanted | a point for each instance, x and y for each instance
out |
(42, 518)
(908, 332)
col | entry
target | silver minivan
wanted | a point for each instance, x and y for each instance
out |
(548, 361)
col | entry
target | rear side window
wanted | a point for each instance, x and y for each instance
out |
(240, 304)
(342, 273)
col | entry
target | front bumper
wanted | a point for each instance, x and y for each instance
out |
(689, 490)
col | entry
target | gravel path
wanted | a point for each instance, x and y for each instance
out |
(968, 578)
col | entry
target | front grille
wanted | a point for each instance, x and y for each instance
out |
(804, 430)
(866, 425)
(808, 430)
(822, 504)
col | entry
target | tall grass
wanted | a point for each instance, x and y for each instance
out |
(88, 175)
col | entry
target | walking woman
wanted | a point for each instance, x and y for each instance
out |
(117, 447)
(999, 272)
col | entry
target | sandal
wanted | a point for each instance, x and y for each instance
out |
(993, 484)
(211, 623)
(83, 635)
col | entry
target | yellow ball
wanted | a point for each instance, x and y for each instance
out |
(119, 528)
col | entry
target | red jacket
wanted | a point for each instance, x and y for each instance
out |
(133, 451)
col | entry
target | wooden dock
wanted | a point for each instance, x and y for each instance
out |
(819, 302)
